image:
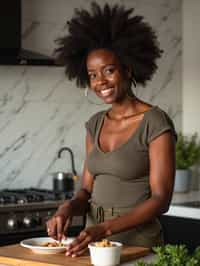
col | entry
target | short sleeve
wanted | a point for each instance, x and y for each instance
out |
(93, 123)
(158, 123)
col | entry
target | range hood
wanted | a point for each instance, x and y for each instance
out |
(11, 50)
(26, 57)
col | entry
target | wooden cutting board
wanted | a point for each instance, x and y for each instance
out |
(16, 255)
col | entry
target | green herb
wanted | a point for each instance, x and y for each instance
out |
(187, 151)
(174, 255)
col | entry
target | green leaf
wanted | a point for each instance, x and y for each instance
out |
(173, 255)
(187, 151)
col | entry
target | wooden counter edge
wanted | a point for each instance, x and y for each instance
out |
(20, 262)
(127, 257)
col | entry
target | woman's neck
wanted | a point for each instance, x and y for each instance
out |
(127, 108)
(123, 109)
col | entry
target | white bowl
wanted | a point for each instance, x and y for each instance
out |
(105, 256)
(35, 244)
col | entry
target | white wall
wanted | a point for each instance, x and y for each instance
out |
(191, 66)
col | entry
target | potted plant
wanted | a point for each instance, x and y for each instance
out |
(187, 154)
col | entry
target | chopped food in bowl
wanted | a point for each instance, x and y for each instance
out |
(104, 243)
(105, 253)
(46, 245)
(53, 244)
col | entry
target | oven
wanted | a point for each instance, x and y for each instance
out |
(24, 212)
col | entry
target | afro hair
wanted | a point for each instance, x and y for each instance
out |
(114, 28)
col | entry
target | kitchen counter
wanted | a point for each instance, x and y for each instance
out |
(182, 210)
(15, 255)
(193, 195)
(149, 258)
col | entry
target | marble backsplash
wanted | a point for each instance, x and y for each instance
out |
(41, 111)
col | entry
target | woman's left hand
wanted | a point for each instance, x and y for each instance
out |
(88, 235)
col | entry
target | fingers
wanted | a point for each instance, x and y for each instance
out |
(60, 227)
(67, 224)
(52, 228)
(56, 227)
(79, 245)
(78, 253)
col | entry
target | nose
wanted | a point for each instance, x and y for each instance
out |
(101, 80)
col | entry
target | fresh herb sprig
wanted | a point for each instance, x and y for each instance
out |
(187, 151)
(173, 255)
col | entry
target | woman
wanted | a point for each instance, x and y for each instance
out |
(129, 169)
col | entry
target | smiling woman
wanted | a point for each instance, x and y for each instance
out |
(129, 168)
(105, 75)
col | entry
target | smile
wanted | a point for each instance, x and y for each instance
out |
(106, 92)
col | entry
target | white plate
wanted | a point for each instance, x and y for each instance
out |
(35, 244)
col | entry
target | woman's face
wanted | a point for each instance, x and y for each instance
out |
(106, 76)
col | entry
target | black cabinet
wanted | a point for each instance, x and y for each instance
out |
(178, 230)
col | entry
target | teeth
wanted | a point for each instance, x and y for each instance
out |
(106, 91)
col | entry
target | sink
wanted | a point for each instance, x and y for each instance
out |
(192, 204)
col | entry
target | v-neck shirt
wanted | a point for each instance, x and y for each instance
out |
(122, 144)
(121, 176)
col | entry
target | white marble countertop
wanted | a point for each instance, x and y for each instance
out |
(184, 211)
(193, 195)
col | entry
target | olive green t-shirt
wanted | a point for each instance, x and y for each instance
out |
(121, 177)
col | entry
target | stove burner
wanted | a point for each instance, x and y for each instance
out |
(31, 195)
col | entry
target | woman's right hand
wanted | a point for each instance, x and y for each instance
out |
(58, 224)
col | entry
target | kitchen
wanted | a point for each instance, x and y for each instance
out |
(41, 111)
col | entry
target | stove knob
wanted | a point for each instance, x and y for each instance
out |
(30, 221)
(12, 223)
(27, 221)
(37, 220)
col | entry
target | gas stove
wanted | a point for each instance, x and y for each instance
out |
(31, 195)
(24, 212)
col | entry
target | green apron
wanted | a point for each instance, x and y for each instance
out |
(146, 235)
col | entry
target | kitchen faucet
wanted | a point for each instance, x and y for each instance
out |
(71, 157)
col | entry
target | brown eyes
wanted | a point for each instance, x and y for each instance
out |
(106, 72)
(92, 76)
(109, 70)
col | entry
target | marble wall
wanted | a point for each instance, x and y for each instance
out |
(41, 111)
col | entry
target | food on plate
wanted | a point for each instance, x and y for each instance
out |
(53, 244)
(104, 243)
